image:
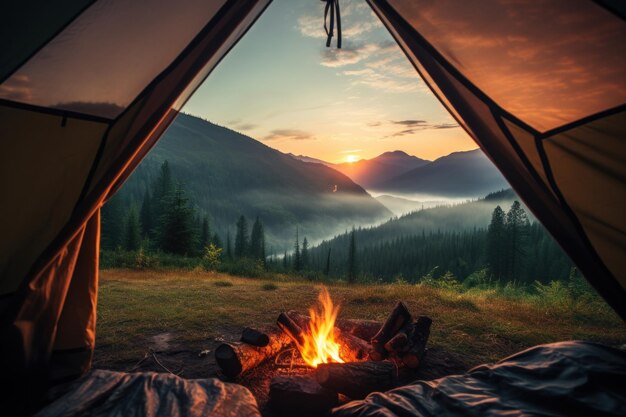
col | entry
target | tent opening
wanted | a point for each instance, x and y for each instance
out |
(441, 187)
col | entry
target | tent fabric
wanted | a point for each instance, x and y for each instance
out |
(541, 87)
(565, 379)
(62, 156)
(88, 87)
(150, 394)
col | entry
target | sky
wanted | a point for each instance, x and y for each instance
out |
(283, 87)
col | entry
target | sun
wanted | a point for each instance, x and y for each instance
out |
(351, 159)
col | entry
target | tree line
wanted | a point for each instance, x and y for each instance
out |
(511, 248)
(166, 222)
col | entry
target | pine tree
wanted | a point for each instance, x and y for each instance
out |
(217, 241)
(229, 246)
(162, 191)
(327, 267)
(285, 261)
(297, 259)
(257, 241)
(132, 232)
(516, 227)
(352, 258)
(496, 237)
(241, 238)
(113, 223)
(205, 234)
(304, 254)
(176, 231)
(145, 215)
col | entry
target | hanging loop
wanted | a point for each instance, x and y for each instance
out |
(332, 8)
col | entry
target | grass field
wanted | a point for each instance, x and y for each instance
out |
(170, 310)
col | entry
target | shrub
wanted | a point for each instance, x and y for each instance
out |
(269, 287)
(446, 281)
(145, 261)
(211, 258)
(223, 284)
(480, 279)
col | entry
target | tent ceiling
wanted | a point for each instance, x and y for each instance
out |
(107, 56)
(548, 62)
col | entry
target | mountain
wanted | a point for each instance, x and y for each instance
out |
(435, 241)
(305, 158)
(467, 174)
(227, 174)
(460, 217)
(368, 172)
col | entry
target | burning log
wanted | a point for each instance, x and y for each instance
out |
(351, 348)
(254, 337)
(236, 358)
(363, 329)
(358, 379)
(398, 318)
(300, 394)
(291, 328)
(418, 339)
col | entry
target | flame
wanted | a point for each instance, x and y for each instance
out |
(319, 344)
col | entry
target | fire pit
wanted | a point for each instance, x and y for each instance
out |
(320, 361)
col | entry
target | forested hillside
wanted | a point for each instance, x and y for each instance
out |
(494, 235)
(226, 174)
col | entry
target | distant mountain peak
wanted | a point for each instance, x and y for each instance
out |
(395, 153)
(467, 174)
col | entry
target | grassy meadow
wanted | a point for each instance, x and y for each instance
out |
(196, 309)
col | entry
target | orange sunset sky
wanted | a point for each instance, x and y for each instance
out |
(282, 86)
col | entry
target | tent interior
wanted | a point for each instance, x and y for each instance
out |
(87, 88)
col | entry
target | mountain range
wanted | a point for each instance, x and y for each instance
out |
(467, 174)
(368, 173)
(227, 174)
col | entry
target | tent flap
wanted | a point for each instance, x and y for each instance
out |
(545, 102)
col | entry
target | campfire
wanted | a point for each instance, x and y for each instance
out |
(337, 358)
(319, 344)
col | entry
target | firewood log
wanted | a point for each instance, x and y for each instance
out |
(357, 380)
(254, 337)
(352, 348)
(417, 342)
(291, 328)
(298, 395)
(398, 343)
(397, 319)
(237, 358)
(363, 329)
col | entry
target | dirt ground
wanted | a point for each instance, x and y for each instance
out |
(164, 353)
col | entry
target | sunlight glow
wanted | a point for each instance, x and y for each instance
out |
(351, 159)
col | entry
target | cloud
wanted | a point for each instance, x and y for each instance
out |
(288, 134)
(410, 126)
(240, 125)
(445, 126)
(357, 20)
(410, 123)
(383, 81)
(333, 57)
(312, 26)
(415, 126)
(17, 88)
(351, 151)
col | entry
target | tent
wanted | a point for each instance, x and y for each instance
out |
(87, 87)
